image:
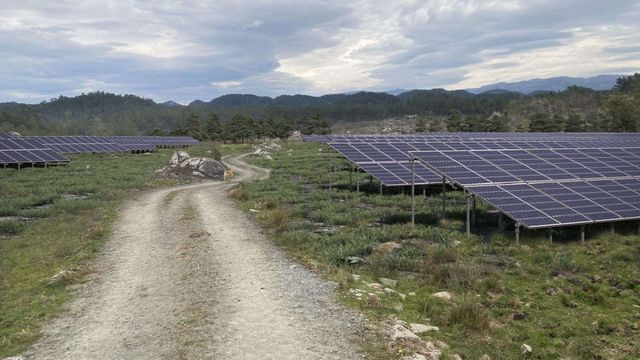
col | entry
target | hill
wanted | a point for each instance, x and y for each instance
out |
(600, 82)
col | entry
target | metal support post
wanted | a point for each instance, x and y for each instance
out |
(444, 199)
(370, 180)
(613, 228)
(358, 179)
(330, 166)
(500, 221)
(468, 223)
(550, 236)
(351, 178)
(413, 191)
(582, 234)
(381, 188)
(517, 233)
(473, 213)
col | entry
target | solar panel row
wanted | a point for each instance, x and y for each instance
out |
(568, 203)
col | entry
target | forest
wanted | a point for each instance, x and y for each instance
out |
(238, 117)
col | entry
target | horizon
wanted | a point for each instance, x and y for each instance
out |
(388, 91)
(203, 50)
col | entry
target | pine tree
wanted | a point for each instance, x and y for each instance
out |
(214, 129)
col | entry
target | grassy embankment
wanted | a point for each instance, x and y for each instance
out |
(62, 233)
(566, 300)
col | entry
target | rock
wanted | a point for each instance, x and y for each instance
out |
(444, 295)
(398, 308)
(485, 357)
(526, 349)
(356, 277)
(388, 282)
(354, 260)
(388, 247)
(63, 277)
(415, 357)
(401, 333)
(421, 328)
(211, 168)
(13, 358)
(268, 157)
(456, 357)
(178, 157)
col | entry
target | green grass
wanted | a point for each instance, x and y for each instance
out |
(565, 299)
(62, 233)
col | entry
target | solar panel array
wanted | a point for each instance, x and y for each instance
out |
(538, 179)
(16, 151)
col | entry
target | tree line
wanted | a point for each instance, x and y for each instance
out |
(243, 117)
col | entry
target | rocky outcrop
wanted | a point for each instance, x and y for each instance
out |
(181, 165)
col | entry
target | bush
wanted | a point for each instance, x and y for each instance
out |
(469, 316)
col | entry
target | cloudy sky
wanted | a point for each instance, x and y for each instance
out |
(186, 50)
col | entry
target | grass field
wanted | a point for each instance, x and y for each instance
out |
(566, 300)
(68, 212)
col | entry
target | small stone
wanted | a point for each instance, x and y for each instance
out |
(456, 357)
(485, 357)
(398, 307)
(421, 328)
(388, 247)
(412, 293)
(354, 260)
(389, 291)
(414, 357)
(400, 333)
(526, 349)
(356, 277)
(388, 282)
(444, 295)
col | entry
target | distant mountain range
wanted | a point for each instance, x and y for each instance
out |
(600, 82)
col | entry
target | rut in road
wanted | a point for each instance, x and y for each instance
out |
(187, 275)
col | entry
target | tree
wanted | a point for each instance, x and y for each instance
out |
(542, 122)
(624, 112)
(628, 84)
(157, 132)
(455, 123)
(283, 127)
(575, 123)
(194, 128)
(422, 125)
(214, 129)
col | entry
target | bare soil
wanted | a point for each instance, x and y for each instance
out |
(186, 275)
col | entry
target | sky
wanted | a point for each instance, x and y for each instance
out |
(187, 50)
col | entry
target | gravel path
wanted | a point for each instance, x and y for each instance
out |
(186, 275)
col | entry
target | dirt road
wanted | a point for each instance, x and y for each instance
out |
(186, 275)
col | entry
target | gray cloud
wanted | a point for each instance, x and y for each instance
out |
(201, 49)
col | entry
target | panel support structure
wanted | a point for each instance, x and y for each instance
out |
(550, 236)
(330, 166)
(357, 179)
(444, 198)
(582, 234)
(468, 222)
(413, 191)
(351, 178)
(473, 213)
(517, 233)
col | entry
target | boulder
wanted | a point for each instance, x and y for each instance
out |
(444, 295)
(211, 168)
(421, 328)
(388, 247)
(178, 157)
